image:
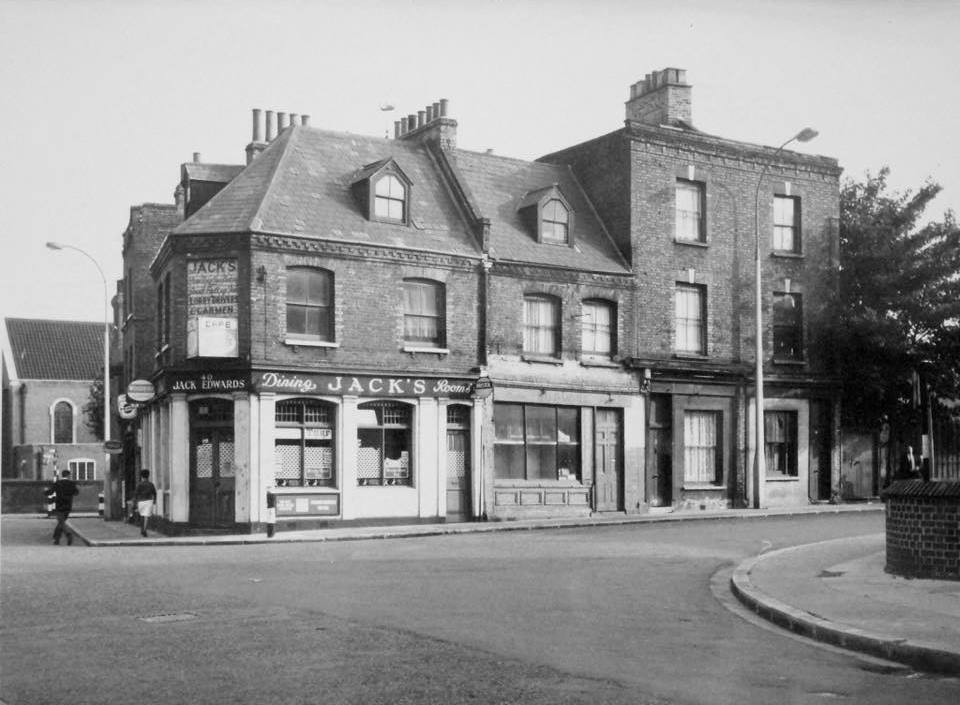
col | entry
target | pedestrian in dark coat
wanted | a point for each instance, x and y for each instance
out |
(64, 490)
(145, 496)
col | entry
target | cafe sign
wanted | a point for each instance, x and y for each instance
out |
(362, 385)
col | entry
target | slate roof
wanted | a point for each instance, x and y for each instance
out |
(300, 185)
(499, 185)
(55, 350)
(218, 173)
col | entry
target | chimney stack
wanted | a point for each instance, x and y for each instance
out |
(661, 98)
(429, 125)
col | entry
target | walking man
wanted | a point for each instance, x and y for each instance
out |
(64, 491)
(145, 495)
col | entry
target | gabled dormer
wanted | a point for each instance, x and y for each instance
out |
(548, 214)
(382, 191)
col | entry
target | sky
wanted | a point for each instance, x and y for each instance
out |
(104, 99)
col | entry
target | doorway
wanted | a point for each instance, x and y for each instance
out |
(458, 463)
(659, 478)
(609, 465)
(212, 469)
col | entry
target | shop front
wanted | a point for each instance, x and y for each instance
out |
(316, 449)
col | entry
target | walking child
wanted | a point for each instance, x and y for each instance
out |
(145, 495)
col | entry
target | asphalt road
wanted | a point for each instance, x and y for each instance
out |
(622, 614)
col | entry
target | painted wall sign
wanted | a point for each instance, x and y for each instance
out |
(361, 385)
(212, 307)
(307, 505)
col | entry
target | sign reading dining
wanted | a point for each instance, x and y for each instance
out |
(361, 386)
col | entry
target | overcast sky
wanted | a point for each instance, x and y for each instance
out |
(103, 100)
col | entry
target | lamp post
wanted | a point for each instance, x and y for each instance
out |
(759, 459)
(106, 356)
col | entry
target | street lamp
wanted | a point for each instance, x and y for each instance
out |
(759, 459)
(106, 353)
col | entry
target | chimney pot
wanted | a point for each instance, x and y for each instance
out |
(429, 112)
(196, 157)
(396, 129)
(420, 118)
(281, 122)
(436, 110)
(294, 119)
(411, 123)
(304, 120)
(270, 133)
(257, 133)
(444, 103)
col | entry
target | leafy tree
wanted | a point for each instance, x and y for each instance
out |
(898, 300)
(93, 409)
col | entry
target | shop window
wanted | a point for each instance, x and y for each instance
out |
(535, 442)
(702, 459)
(541, 325)
(309, 304)
(787, 327)
(63, 422)
(423, 314)
(690, 223)
(786, 224)
(598, 328)
(383, 439)
(83, 469)
(780, 437)
(303, 448)
(690, 321)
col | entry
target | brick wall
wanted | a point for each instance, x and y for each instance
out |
(923, 529)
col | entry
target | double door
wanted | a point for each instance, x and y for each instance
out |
(212, 468)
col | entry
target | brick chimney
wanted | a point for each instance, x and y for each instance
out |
(429, 125)
(662, 98)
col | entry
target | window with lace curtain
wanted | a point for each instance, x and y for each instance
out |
(423, 314)
(303, 449)
(702, 462)
(780, 438)
(541, 325)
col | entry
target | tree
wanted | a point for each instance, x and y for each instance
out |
(93, 409)
(898, 300)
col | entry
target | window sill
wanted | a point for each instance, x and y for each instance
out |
(542, 359)
(691, 243)
(794, 363)
(703, 487)
(308, 343)
(786, 255)
(782, 478)
(690, 356)
(531, 484)
(598, 362)
(435, 351)
(303, 490)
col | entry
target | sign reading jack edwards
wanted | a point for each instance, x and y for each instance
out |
(361, 386)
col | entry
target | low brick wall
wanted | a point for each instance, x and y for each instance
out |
(923, 529)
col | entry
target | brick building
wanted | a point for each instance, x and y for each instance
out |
(48, 368)
(398, 329)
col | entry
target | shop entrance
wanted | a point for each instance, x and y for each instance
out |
(609, 468)
(212, 469)
(660, 452)
(458, 462)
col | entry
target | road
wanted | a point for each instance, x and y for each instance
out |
(619, 614)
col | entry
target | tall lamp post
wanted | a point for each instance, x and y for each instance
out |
(759, 459)
(106, 356)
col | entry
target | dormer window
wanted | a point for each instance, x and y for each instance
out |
(548, 215)
(390, 198)
(555, 222)
(382, 191)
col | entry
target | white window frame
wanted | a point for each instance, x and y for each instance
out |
(598, 337)
(702, 447)
(74, 466)
(541, 325)
(690, 317)
(786, 224)
(690, 222)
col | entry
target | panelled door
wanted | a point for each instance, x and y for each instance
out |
(609, 465)
(212, 469)
(458, 462)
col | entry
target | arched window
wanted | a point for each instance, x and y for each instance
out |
(383, 439)
(303, 450)
(310, 304)
(63, 422)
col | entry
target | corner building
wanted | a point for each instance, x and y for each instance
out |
(351, 328)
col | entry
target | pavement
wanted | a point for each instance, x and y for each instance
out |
(832, 591)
